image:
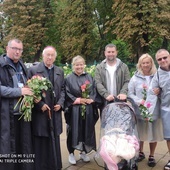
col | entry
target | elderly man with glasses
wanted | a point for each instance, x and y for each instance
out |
(162, 81)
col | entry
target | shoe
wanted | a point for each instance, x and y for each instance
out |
(167, 166)
(72, 159)
(151, 161)
(84, 157)
(140, 157)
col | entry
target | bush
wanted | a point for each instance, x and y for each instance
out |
(1, 51)
(123, 50)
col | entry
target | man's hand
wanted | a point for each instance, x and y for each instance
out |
(45, 107)
(122, 96)
(110, 98)
(156, 91)
(26, 91)
(57, 107)
(37, 100)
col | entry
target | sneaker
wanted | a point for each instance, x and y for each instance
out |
(140, 157)
(72, 159)
(151, 161)
(167, 166)
(84, 157)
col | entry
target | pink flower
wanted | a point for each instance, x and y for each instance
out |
(142, 102)
(87, 82)
(85, 94)
(83, 87)
(145, 86)
(37, 77)
(148, 105)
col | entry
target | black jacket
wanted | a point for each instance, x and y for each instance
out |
(39, 118)
(9, 94)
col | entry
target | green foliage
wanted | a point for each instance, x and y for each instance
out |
(140, 23)
(1, 51)
(103, 15)
(28, 21)
(84, 27)
(123, 50)
(67, 69)
(77, 35)
(89, 69)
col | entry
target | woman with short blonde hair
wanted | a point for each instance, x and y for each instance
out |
(139, 64)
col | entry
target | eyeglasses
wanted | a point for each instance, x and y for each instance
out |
(163, 58)
(17, 49)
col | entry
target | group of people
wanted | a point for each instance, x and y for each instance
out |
(81, 97)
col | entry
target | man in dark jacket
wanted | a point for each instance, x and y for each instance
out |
(15, 135)
(47, 140)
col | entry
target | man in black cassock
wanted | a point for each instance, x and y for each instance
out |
(47, 139)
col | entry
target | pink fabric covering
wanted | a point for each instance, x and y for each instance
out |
(117, 146)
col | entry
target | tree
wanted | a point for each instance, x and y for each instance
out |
(164, 22)
(137, 23)
(102, 14)
(76, 26)
(28, 20)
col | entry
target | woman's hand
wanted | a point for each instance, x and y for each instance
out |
(89, 101)
(83, 101)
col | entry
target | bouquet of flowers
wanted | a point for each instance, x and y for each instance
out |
(145, 112)
(85, 94)
(38, 85)
(144, 107)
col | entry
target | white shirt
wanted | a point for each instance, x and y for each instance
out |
(111, 70)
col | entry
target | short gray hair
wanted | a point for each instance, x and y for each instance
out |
(161, 50)
(110, 46)
(14, 39)
(48, 48)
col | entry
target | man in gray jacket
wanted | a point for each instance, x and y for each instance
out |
(161, 80)
(112, 76)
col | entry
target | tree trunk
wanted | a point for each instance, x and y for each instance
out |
(37, 55)
(165, 43)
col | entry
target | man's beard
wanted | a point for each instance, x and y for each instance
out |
(111, 59)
